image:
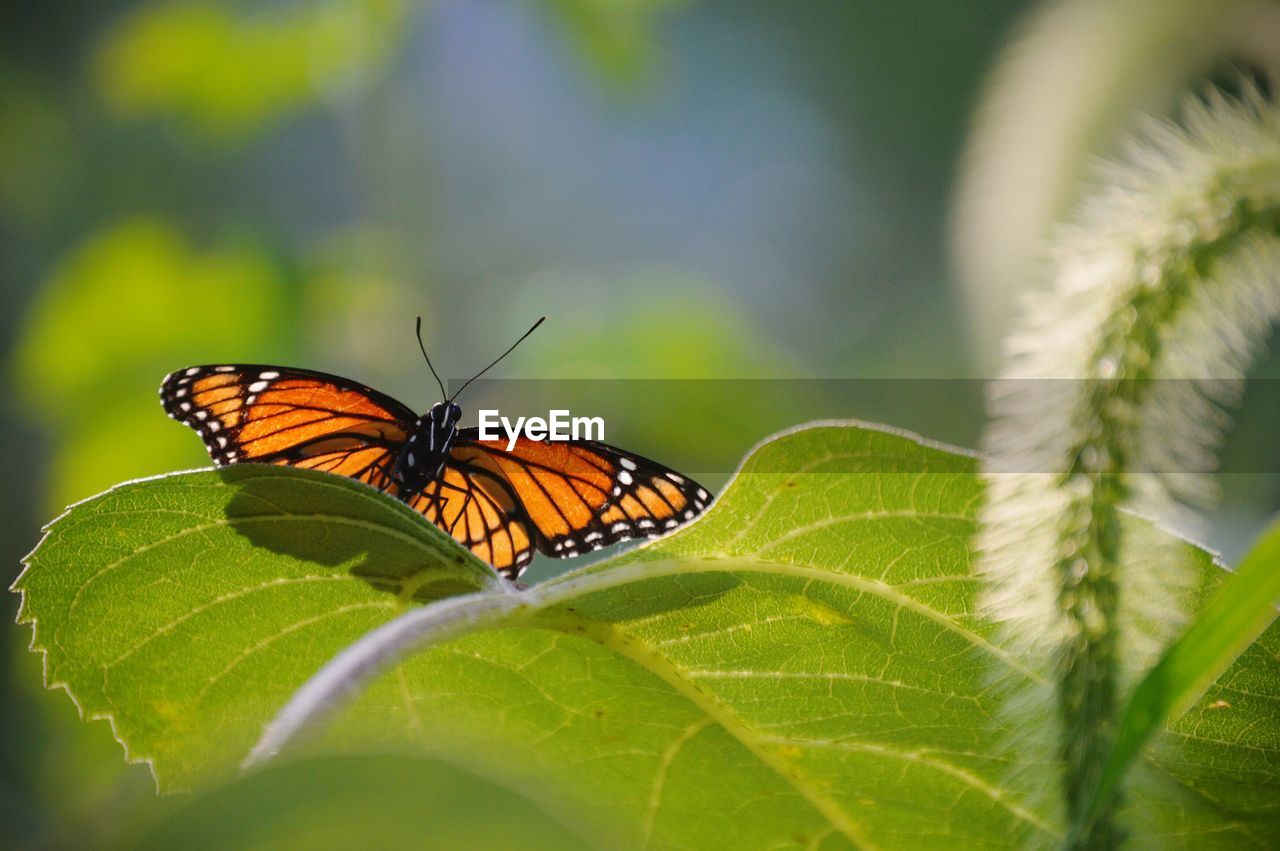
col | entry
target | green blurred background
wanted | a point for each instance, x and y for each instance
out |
(709, 190)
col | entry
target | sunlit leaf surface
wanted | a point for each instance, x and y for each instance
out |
(802, 666)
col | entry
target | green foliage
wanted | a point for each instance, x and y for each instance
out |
(226, 74)
(93, 351)
(37, 149)
(803, 665)
(615, 36)
(708, 338)
(359, 802)
(249, 537)
(1232, 620)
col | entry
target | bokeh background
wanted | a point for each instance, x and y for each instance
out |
(778, 197)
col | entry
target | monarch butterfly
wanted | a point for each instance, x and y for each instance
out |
(562, 498)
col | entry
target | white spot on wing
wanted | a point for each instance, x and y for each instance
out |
(195, 370)
(268, 375)
(624, 477)
(224, 369)
(257, 386)
(619, 527)
(628, 463)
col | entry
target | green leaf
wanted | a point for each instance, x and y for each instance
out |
(1237, 615)
(801, 666)
(182, 606)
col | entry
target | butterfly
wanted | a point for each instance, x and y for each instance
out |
(559, 498)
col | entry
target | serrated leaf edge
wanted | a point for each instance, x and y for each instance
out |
(24, 616)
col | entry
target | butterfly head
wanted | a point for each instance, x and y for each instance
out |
(435, 431)
(423, 455)
(443, 417)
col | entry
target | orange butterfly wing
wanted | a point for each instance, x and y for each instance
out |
(579, 495)
(482, 513)
(298, 418)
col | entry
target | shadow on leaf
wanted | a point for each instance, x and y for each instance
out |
(342, 524)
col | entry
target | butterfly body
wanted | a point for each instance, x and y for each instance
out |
(503, 502)
(422, 458)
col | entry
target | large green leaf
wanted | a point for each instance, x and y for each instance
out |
(803, 665)
(182, 606)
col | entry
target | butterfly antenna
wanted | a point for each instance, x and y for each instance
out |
(500, 357)
(418, 330)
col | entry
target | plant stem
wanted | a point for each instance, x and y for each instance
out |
(1088, 681)
(1164, 290)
